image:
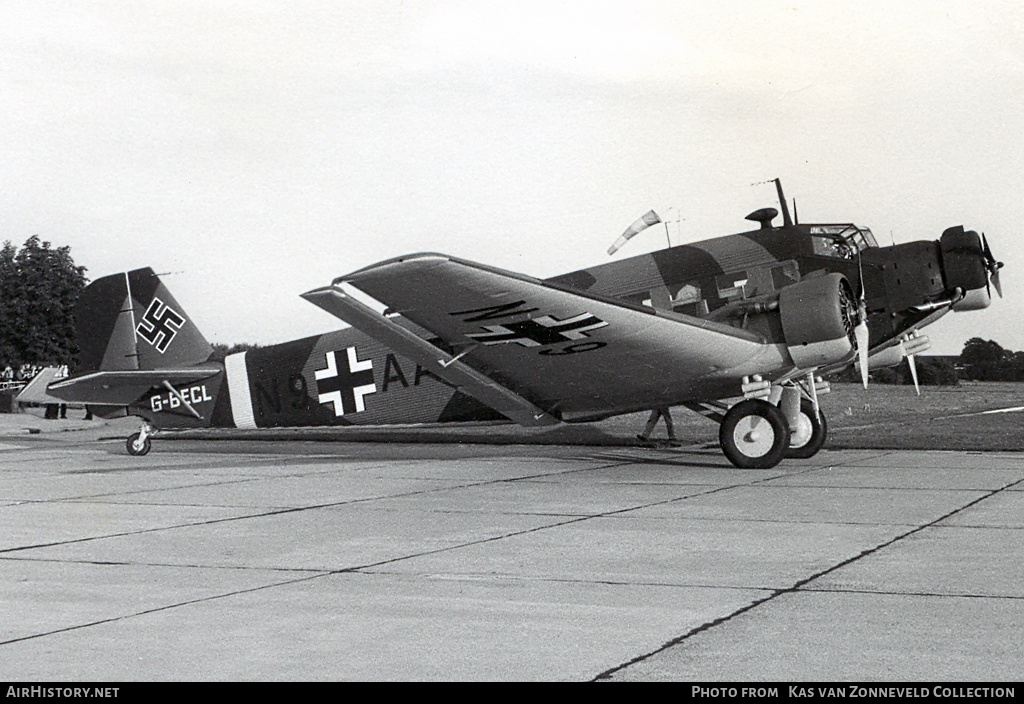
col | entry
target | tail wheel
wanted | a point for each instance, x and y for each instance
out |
(138, 445)
(754, 435)
(809, 435)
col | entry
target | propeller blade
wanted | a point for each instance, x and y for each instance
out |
(861, 333)
(646, 220)
(912, 363)
(987, 252)
(993, 267)
(913, 373)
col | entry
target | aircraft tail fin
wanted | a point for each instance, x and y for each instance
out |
(130, 321)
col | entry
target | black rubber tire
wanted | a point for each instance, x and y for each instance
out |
(819, 433)
(739, 443)
(134, 448)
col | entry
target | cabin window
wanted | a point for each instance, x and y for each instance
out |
(688, 300)
(690, 293)
(732, 286)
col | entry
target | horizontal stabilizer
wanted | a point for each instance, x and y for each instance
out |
(125, 387)
(35, 390)
(511, 405)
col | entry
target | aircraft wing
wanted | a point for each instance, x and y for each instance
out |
(124, 387)
(546, 348)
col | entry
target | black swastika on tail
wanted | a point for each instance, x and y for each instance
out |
(159, 325)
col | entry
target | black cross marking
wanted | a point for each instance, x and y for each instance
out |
(160, 323)
(538, 332)
(345, 381)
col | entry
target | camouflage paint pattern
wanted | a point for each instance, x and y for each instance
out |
(130, 322)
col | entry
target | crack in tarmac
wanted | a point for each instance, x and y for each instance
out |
(261, 514)
(800, 585)
(320, 573)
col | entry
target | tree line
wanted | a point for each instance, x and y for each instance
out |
(985, 360)
(39, 288)
(980, 360)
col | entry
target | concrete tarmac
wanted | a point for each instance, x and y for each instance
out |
(281, 560)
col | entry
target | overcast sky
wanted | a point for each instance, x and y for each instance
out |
(260, 149)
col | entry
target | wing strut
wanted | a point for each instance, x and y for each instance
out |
(452, 369)
(180, 397)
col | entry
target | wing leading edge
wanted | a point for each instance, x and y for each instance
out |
(535, 351)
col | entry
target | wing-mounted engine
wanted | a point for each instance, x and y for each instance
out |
(818, 316)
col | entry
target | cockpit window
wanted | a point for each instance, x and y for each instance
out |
(842, 241)
(828, 247)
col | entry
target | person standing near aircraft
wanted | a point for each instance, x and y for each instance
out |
(653, 421)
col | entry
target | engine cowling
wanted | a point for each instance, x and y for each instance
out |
(963, 261)
(818, 316)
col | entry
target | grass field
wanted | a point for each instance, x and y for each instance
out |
(943, 417)
(891, 417)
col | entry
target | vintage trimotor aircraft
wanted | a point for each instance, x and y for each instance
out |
(738, 328)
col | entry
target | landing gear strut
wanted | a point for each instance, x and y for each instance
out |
(774, 421)
(808, 433)
(139, 443)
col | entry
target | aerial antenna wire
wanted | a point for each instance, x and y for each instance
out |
(787, 221)
(679, 218)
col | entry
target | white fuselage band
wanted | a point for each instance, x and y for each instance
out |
(238, 390)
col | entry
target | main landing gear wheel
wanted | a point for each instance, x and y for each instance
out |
(754, 435)
(138, 445)
(809, 434)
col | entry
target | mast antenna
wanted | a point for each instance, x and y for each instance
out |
(786, 220)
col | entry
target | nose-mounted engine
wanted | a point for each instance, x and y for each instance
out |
(969, 267)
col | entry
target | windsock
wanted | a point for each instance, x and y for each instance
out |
(648, 219)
